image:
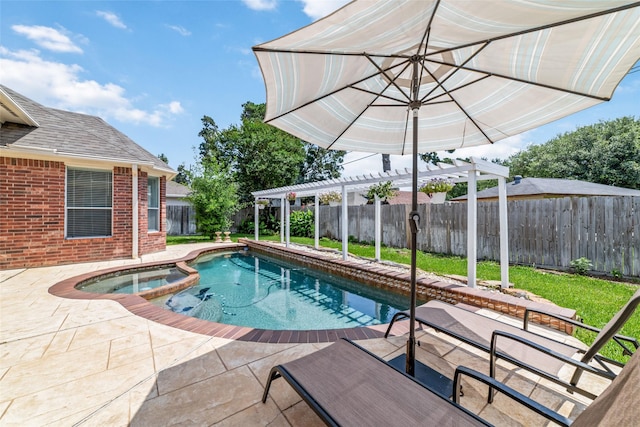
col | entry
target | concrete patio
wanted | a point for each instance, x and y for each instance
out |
(92, 362)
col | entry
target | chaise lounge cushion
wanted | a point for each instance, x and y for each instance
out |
(355, 388)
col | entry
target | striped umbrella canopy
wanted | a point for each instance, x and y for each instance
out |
(416, 76)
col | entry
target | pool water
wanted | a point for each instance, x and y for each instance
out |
(131, 283)
(246, 289)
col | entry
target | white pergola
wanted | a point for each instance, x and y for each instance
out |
(470, 172)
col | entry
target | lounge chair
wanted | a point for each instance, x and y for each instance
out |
(617, 405)
(543, 356)
(347, 385)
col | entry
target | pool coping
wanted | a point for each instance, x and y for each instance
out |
(377, 274)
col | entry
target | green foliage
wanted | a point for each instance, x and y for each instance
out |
(301, 223)
(383, 190)
(320, 164)
(184, 176)
(606, 153)
(258, 155)
(248, 227)
(581, 265)
(163, 157)
(214, 199)
(462, 188)
(437, 185)
(261, 156)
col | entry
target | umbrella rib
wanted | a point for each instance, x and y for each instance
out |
(425, 36)
(447, 92)
(402, 103)
(516, 79)
(377, 95)
(424, 100)
(350, 85)
(542, 27)
(456, 69)
(336, 53)
(406, 130)
(392, 81)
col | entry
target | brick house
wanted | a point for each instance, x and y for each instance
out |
(74, 189)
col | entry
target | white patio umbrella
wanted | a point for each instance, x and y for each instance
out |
(408, 77)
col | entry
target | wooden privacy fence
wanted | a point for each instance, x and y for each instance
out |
(544, 232)
(181, 220)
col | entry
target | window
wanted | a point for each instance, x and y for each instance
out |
(153, 189)
(89, 204)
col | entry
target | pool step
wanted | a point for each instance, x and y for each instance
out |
(349, 312)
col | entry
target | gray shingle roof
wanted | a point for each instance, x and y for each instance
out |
(177, 190)
(555, 187)
(72, 134)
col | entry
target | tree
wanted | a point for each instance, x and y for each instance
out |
(164, 158)
(183, 176)
(213, 196)
(607, 152)
(261, 156)
(320, 164)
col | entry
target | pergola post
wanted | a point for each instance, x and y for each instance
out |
(504, 234)
(316, 217)
(256, 220)
(282, 224)
(345, 224)
(288, 222)
(377, 227)
(472, 229)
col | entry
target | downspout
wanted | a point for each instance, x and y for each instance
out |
(134, 211)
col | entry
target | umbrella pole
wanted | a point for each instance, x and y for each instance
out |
(414, 218)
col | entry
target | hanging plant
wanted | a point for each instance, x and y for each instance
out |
(383, 190)
(437, 185)
(291, 196)
(331, 196)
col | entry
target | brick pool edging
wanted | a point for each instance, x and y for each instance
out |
(376, 274)
(139, 306)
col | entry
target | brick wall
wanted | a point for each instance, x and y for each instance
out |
(149, 242)
(32, 218)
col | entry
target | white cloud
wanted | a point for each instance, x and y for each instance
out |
(317, 9)
(112, 19)
(180, 30)
(47, 38)
(261, 4)
(59, 85)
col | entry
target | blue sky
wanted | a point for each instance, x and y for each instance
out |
(152, 69)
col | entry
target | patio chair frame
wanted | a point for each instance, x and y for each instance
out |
(580, 365)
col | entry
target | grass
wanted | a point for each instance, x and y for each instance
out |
(596, 301)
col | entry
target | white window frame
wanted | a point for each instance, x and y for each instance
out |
(153, 228)
(68, 208)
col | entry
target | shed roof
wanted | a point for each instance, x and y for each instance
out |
(30, 126)
(175, 189)
(554, 187)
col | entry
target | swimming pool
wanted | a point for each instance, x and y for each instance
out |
(248, 289)
(133, 282)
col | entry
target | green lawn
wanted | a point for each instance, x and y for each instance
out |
(595, 300)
